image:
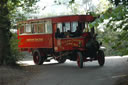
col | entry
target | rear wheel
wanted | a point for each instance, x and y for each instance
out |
(101, 57)
(79, 60)
(38, 57)
(61, 59)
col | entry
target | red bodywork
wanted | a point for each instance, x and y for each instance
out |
(30, 41)
(62, 37)
(35, 41)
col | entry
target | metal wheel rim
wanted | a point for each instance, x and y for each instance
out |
(101, 59)
(78, 60)
(36, 58)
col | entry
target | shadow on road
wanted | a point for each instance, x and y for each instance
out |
(69, 73)
(28, 61)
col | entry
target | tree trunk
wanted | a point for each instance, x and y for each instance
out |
(4, 32)
(1, 46)
(5, 51)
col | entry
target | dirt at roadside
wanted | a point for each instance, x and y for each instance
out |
(16, 75)
(122, 81)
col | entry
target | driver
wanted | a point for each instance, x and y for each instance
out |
(58, 34)
(92, 33)
(78, 32)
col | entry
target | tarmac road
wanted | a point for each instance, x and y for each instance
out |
(92, 74)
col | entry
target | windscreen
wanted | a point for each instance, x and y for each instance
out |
(71, 29)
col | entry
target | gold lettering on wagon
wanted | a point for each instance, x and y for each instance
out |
(71, 42)
(34, 40)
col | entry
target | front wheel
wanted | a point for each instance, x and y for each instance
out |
(79, 60)
(101, 57)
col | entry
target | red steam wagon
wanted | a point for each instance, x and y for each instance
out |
(60, 38)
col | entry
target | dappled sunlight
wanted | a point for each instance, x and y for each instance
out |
(116, 57)
(30, 61)
(113, 77)
(26, 63)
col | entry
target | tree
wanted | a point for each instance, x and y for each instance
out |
(8, 8)
(117, 22)
(72, 7)
(117, 2)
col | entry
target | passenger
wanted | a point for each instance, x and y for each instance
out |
(78, 32)
(58, 34)
(68, 33)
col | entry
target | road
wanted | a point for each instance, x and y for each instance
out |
(69, 74)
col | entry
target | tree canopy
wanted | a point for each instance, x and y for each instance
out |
(8, 9)
(117, 17)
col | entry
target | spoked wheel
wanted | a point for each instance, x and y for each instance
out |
(38, 58)
(79, 60)
(101, 57)
(61, 60)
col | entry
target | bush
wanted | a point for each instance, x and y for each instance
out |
(15, 54)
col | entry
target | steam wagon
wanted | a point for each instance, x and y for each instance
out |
(60, 38)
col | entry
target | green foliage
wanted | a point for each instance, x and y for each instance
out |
(8, 10)
(117, 2)
(72, 6)
(15, 54)
(115, 34)
(59, 2)
(109, 38)
(113, 14)
(14, 46)
(19, 9)
(117, 27)
(102, 6)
